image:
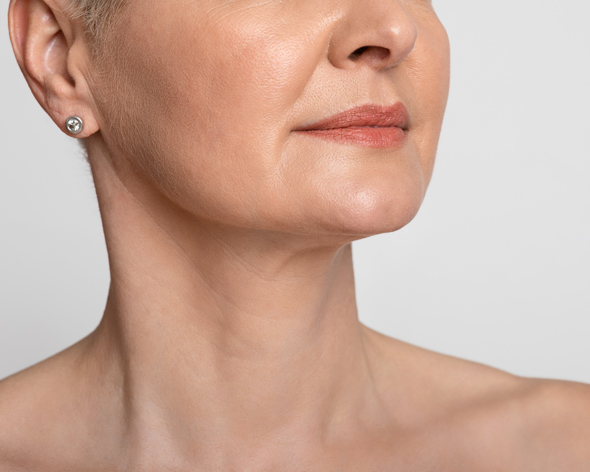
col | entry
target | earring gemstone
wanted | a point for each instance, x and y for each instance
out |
(74, 124)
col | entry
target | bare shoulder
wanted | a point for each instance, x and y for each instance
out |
(441, 382)
(21, 400)
(555, 421)
(529, 425)
(538, 425)
(482, 415)
(39, 414)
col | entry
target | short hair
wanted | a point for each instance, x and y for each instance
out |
(97, 16)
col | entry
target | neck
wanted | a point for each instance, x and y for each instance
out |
(219, 336)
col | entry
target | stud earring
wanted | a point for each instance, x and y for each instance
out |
(74, 124)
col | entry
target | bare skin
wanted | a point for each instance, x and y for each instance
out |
(231, 340)
(437, 414)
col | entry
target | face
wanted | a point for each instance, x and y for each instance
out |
(211, 96)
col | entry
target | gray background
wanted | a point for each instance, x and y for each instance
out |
(495, 268)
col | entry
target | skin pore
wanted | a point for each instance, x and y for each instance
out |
(230, 338)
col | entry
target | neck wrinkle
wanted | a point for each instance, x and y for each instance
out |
(217, 345)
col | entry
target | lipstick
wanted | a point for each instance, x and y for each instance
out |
(368, 125)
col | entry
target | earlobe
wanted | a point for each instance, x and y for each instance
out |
(42, 51)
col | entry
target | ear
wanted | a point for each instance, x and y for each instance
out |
(51, 56)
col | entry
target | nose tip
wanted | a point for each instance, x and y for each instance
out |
(376, 34)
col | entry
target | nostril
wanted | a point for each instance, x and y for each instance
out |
(355, 54)
(373, 54)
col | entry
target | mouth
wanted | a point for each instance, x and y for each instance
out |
(368, 125)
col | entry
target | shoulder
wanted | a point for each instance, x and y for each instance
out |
(525, 424)
(528, 425)
(444, 383)
(555, 423)
(16, 399)
(27, 404)
(482, 415)
(40, 415)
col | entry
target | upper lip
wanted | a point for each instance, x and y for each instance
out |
(365, 116)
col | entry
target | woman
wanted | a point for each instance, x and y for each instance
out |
(237, 148)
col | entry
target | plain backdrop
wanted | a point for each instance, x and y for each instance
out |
(495, 268)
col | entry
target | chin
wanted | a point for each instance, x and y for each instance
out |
(367, 211)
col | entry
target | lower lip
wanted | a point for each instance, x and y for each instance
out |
(373, 137)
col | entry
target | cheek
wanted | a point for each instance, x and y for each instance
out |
(429, 70)
(208, 114)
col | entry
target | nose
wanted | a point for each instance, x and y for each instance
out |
(376, 33)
